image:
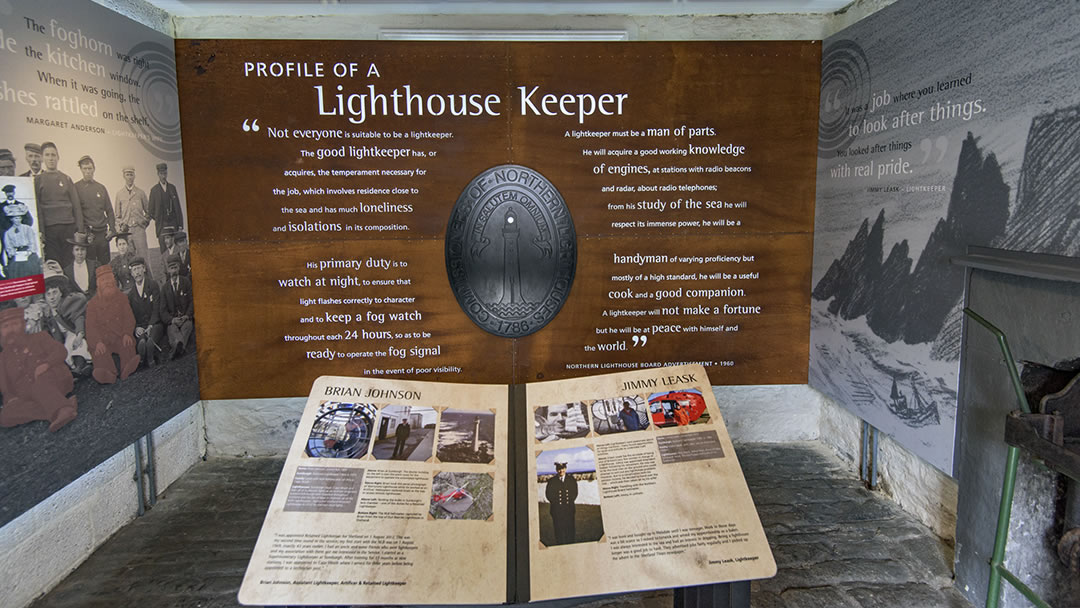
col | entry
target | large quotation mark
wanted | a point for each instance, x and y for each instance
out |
(833, 101)
(254, 126)
(941, 144)
(640, 340)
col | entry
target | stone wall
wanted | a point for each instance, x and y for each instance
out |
(920, 489)
(43, 545)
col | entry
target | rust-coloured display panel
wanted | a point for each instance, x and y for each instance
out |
(320, 208)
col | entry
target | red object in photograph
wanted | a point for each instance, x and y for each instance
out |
(670, 409)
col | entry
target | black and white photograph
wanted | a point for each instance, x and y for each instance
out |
(620, 414)
(21, 247)
(466, 436)
(405, 432)
(569, 494)
(560, 421)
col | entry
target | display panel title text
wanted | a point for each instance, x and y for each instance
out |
(370, 101)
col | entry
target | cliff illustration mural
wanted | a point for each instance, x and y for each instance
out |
(973, 142)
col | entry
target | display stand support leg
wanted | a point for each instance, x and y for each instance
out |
(718, 595)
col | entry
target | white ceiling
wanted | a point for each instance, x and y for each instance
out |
(198, 8)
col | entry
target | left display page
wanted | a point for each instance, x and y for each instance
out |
(393, 492)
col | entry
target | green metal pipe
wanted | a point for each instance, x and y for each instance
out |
(1023, 589)
(1009, 361)
(1008, 487)
(993, 591)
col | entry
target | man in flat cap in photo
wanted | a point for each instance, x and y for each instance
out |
(132, 211)
(167, 241)
(59, 207)
(166, 247)
(33, 158)
(165, 208)
(180, 247)
(97, 212)
(145, 301)
(7, 163)
(177, 308)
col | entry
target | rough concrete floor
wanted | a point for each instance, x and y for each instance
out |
(836, 544)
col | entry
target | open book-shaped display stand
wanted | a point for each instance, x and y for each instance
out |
(406, 492)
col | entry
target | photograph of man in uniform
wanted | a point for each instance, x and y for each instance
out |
(97, 212)
(569, 508)
(561, 492)
(59, 207)
(561, 421)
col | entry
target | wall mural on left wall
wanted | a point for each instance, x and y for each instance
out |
(96, 316)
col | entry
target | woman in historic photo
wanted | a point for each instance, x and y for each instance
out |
(20, 244)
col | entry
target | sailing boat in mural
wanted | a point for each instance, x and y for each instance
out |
(917, 412)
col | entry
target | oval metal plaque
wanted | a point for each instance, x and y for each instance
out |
(511, 251)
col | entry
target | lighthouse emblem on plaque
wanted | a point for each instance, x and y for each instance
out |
(511, 251)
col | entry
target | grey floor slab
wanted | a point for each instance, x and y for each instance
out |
(837, 545)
